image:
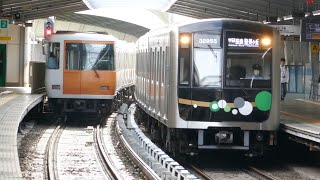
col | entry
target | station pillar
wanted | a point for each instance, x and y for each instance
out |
(314, 47)
(27, 56)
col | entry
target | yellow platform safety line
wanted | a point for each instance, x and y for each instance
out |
(309, 101)
(205, 104)
(8, 98)
(299, 118)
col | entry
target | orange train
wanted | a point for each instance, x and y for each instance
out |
(85, 71)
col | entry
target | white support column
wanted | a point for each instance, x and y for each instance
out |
(27, 56)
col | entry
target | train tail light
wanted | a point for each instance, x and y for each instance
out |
(57, 87)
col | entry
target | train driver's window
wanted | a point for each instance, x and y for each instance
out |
(242, 68)
(97, 57)
(53, 56)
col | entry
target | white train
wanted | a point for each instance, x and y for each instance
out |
(210, 84)
(85, 71)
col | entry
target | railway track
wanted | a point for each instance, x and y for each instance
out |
(104, 158)
(250, 170)
(259, 173)
(50, 157)
(56, 156)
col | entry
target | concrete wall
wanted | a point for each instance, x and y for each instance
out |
(13, 54)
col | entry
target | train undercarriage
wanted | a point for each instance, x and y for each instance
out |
(98, 106)
(192, 141)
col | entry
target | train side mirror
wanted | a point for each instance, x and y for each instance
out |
(44, 47)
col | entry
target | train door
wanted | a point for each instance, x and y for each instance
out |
(97, 63)
(71, 72)
(3, 59)
(206, 75)
(184, 79)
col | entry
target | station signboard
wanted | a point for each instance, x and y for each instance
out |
(4, 23)
(310, 29)
(288, 30)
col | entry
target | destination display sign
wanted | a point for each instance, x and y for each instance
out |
(310, 29)
(206, 40)
(242, 40)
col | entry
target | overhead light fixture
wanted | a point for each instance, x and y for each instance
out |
(287, 18)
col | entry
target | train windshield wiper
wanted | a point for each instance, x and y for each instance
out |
(242, 89)
(214, 53)
(98, 60)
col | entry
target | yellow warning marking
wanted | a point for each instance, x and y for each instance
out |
(8, 98)
(5, 38)
(301, 118)
(315, 36)
(205, 104)
(314, 48)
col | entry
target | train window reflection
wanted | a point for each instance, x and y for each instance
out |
(207, 71)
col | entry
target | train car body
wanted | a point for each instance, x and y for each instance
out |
(197, 80)
(86, 70)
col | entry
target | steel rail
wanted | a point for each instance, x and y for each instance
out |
(201, 173)
(148, 172)
(50, 153)
(260, 173)
(105, 159)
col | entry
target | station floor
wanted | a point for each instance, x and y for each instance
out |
(301, 118)
(14, 105)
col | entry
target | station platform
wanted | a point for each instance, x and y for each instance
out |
(14, 105)
(301, 119)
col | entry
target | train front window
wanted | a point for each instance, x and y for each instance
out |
(248, 70)
(248, 60)
(85, 56)
(207, 59)
(207, 67)
(53, 55)
(98, 57)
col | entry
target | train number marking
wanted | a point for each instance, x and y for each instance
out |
(208, 41)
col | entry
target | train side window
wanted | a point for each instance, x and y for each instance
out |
(184, 67)
(53, 57)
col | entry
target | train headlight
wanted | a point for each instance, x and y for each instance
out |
(185, 40)
(266, 42)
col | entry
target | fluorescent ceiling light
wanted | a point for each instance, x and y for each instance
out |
(160, 5)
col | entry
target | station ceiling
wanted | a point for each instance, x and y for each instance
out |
(255, 10)
(63, 10)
